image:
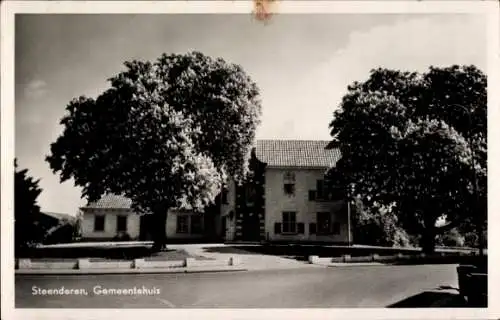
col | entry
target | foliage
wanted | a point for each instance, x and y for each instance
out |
(63, 233)
(451, 238)
(378, 227)
(166, 134)
(27, 232)
(68, 230)
(404, 143)
(122, 236)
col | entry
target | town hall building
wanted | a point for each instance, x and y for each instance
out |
(284, 200)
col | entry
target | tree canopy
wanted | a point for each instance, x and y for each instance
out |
(166, 134)
(406, 139)
(26, 209)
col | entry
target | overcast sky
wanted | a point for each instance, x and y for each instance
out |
(302, 64)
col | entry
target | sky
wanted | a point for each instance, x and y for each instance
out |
(301, 63)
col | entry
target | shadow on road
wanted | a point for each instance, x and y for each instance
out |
(450, 259)
(431, 299)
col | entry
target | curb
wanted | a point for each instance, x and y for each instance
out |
(376, 260)
(125, 271)
(137, 266)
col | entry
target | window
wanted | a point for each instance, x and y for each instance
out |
(224, 195)
(99, 223)
(189, 224)
(196, 224)
(324, 220)
(121, 223)
(289, 222)
(182, 224)
(289, 189)
(336, 228)
(326, 190)
(250, 194)
(289, 183)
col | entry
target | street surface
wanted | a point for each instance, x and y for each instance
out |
(358, 286)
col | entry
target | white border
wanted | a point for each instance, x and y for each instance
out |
(9, 8)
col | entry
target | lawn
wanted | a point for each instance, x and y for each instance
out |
(99, 252)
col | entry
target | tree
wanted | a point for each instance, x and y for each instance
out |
(167, 134)
(406, 140)
(26, 210)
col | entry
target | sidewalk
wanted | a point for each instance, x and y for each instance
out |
(251, 261)
(128, 271)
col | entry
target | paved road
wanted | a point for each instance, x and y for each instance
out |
(370, 286)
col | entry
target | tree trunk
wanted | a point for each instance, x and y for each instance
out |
(428, 240)
(159, 229)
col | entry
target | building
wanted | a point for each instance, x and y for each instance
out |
(284, 199)
(57, 227)
(287, 200)
(111, 218)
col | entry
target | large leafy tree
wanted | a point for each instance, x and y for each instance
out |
(167, 134)
(26, 210)
(407, 141)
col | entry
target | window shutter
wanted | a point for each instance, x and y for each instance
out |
(277, 228)
(300, 228)
(312, 228)
(312, 195)
(319, 189)
(336, 228)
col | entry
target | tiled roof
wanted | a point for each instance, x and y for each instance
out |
(110, 201)
(296, 153)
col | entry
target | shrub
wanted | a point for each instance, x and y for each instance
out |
(122, 236)
(64, 233)
(452, 238)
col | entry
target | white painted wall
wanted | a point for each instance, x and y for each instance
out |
(133, 225)
(277, 202)
(109, 224)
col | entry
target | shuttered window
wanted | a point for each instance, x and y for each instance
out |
(324, 220)
(289, 222)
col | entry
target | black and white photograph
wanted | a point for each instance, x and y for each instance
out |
(249, 155)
